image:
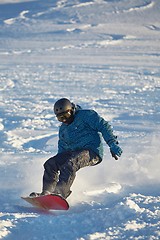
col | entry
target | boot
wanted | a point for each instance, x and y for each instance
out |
(34, 194)
(62, 191)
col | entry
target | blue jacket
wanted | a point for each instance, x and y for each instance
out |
(85, 132)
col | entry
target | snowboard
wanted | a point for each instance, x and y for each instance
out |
(48, 202)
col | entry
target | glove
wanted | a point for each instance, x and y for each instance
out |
(115, 150)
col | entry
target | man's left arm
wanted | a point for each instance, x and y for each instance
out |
(105, 128)
(110, 139)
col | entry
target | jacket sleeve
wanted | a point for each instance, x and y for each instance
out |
(99, 124)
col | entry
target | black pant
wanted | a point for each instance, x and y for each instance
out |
(60, 170)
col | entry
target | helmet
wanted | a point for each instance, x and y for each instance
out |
(63, 105)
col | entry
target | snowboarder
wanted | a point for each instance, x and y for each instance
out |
(79, 145)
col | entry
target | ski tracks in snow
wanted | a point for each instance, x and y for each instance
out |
(114, 216)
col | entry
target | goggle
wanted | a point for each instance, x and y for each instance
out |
(62, 117)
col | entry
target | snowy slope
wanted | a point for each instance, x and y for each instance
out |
(104, 55)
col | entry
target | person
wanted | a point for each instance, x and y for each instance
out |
(79, 145)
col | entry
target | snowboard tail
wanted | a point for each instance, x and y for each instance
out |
(48, 202)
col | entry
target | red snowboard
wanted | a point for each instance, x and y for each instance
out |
(48, 202)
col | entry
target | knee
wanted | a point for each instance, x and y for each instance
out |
(50, 163)
(68, 168)
(45, 165)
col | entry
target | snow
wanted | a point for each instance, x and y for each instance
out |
(103, 55)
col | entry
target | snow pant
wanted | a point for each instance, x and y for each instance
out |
(60, 170)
